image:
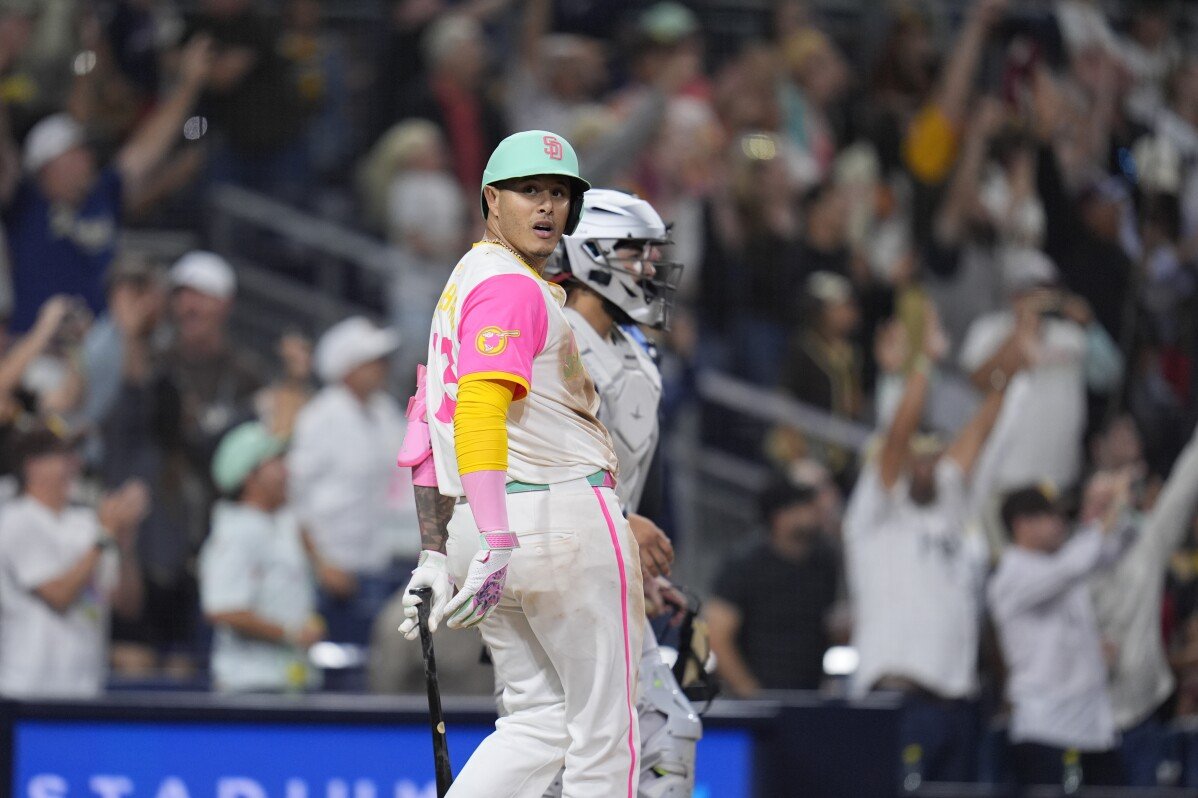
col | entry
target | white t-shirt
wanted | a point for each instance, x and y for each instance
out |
(43, 652)
(256, 561)
(1057, 680)
(343, 483)
(1047, 444)
(497, 319)
(915, 578)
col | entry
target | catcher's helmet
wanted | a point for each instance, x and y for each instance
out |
(610, 252)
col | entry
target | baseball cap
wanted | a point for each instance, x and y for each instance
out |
(205, 272)
(53, 136)
(829, 287)
(351, 343)
(668, 23)
(1025, 268)
(243, 449)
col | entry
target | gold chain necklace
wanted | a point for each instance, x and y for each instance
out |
(519, 257)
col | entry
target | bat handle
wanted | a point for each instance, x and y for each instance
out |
(441, 762)
(425, 594)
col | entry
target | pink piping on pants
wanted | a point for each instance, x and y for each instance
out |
(615, 543)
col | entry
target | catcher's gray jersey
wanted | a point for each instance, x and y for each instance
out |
(629, 388)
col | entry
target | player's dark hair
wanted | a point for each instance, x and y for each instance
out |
(1024, 503)
(780, 495)
(33, 443)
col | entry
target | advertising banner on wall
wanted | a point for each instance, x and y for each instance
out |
(179, 759)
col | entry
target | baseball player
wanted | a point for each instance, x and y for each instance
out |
(544, 563)
(612, 269)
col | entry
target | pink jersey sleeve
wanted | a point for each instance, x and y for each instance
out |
(503, 327)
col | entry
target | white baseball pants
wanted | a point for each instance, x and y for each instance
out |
(566, 643)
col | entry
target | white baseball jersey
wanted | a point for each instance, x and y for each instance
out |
(497, 319)
(629, 387)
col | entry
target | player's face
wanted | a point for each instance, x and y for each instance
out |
(923, 478)
(841, 318)
(636, 258)
(270, 480)
(1044, 532)
(368, 377)
(69, 177)
(530, 214)
(198, 315)
(795, 527)
(57, 469)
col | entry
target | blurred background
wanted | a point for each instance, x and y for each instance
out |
(227, 211)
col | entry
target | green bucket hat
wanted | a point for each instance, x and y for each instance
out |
(536, 152)
(242, 450)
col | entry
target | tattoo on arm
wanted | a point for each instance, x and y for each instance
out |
(434, 511)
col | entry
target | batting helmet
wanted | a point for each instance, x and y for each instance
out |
(536, 152)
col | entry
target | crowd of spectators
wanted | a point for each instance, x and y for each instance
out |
(971, 227)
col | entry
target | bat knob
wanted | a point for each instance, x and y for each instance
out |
(425, 594)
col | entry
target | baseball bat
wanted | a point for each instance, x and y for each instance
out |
(436, 718)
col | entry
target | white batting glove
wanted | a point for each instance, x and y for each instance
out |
(431, 571)
(479, 595)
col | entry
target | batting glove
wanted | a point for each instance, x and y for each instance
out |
(431, 571)
(479, 594)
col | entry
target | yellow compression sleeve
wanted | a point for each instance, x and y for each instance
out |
(480, 425)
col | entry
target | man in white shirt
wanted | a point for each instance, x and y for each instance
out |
(62, 569)
(1066, 351)
(915, 579)
(1127, 602)
(344, 486)
(1061, 716)
(256, 581)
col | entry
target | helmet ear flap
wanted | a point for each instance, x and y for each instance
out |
(482, 197)
(575, 209)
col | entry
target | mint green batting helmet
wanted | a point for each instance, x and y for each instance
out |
(536, 152)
